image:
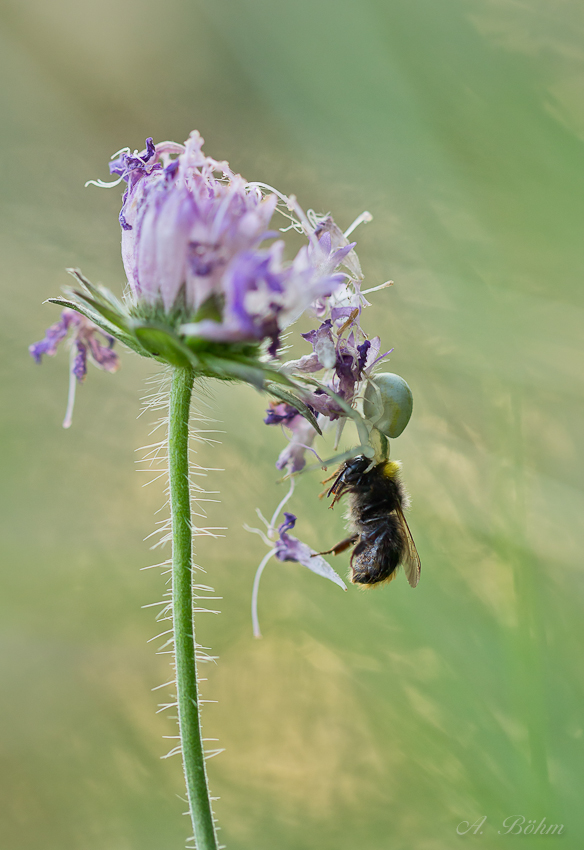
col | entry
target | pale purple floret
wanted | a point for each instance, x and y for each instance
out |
(127, 164)
(288, 548)
(53, 336)
(254, 286)
(79, 367)
(327, 257)
(351, 362)
(347, 365)
(280, 413)
(183, 225)
(324, 355)
(303, 435)
(130, 168)
(350, 365)
(349, 358)
(291, 549)
(192, 234)
(328, 227)
(84, 338)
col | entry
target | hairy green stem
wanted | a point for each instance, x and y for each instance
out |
(183, 618)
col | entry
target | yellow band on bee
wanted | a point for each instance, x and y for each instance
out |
(391, 468)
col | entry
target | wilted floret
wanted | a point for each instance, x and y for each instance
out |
(290, 549)
(86, 342)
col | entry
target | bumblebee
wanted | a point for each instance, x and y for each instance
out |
(381, 537)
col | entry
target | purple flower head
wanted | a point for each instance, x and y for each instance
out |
(193, 239)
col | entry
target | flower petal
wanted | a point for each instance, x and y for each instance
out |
(290, 549)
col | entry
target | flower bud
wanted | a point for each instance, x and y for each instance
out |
(388, 403)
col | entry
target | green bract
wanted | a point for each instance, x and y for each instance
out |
(156, 338)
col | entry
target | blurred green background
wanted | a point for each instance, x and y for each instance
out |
(369, 720)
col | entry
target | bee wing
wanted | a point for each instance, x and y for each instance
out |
(410, 560)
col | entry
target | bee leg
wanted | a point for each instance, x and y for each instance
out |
(362, 546)
(325, 492)
(338, 476)
(334, 475)
(340, 547)
(338, 495)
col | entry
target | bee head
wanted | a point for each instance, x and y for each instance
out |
(355, 468)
